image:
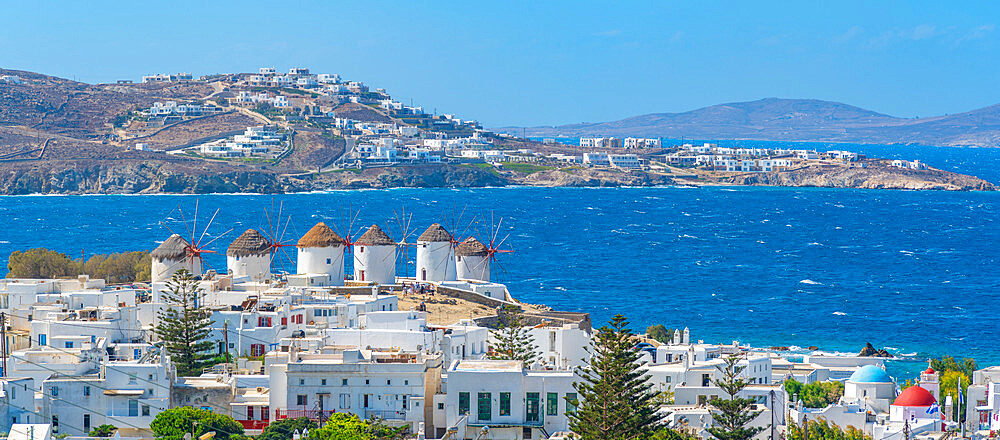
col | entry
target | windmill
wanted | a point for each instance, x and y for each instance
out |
(403, 221)
(178, 253)
(349, 234)
(275, 232)
(478, 259)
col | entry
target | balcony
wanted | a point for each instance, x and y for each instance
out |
(313, 414)
(385, 414)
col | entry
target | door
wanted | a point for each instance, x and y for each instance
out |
(366, 401)
(423, 274)
(362, 275)
(531, 407)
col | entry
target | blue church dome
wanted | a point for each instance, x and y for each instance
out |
(870, 374)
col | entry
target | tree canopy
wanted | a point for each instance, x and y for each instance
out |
(512, 341)
(732, 415)
(660, 333)
(116, 268)
(816, 394)
(615, 399)
(173, 423)
(185, 325)
(284, 428)
(822, 430)
(347, 426)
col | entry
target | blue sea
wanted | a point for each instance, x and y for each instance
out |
(915, 272)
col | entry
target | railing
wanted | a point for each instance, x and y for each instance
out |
(254, 424)
(313, 414)
(385, 414)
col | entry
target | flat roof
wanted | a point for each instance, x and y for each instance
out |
(488, 365)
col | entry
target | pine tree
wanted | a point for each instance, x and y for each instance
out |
(513, 341)
(616, 400)
(184, 325)
(732, 415)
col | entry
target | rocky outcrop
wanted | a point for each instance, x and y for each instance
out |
(870, 351)
(583, 177)
(875, 176)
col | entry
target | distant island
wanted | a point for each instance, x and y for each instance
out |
(794, 120)
(275, 132)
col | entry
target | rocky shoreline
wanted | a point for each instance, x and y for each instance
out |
(189, 177)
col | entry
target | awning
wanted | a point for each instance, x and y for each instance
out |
(123, 392)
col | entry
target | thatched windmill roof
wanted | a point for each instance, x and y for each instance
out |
(250, 242)
(471, 247)
(320, 236)
(374, 236)
(435, 233)
(174, 248)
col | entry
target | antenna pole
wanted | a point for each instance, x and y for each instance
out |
(225, 338)
(3, 343)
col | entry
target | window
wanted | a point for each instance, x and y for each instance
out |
(249, 413)
(704, 380)
(367, 381)
(345, 401)
(265, 413)
(301, 400)
(69, 344)
(552, 404)
(55, 391)
(132, 380)
(440, 405)
(343, 382)
(55, 423)
(327, 261)
(485, 406)
(667, 379)
(133, 408)
(322, 382)
(504, 404)
(531, 407)
(388, 381)
(145, 410)
(571, 402)
(86, 422)
(526, 433)
(463, 403)
(302, 381)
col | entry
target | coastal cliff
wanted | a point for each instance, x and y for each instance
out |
(875, 177)
(152, 177)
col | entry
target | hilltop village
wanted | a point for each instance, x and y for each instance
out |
(274, 131)
(347, 331)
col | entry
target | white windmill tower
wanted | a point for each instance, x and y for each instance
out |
(177, 252)
(472, 259)
(174, 254)
(321, 251)
(435, 255)
(250, 256)
(375, 257)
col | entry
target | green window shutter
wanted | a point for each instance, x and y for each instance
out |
(463, 403)
(552, 404)
(571, 402)
(504, 404)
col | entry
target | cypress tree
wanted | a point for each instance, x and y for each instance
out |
(732, 415)
(617, 401)
(512, 340)
(185, 325)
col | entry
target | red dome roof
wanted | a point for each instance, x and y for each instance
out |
(929, 370)
(914, 396)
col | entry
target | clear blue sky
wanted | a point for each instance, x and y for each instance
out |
(540, 62)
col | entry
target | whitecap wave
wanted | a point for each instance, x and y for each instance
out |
(808, 281)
